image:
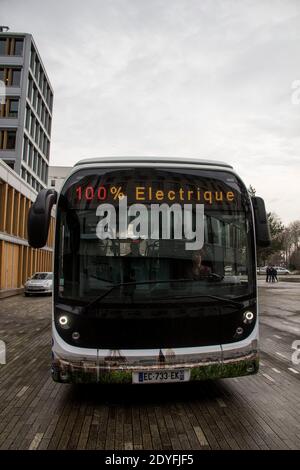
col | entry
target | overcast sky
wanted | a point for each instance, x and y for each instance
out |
(209, 79)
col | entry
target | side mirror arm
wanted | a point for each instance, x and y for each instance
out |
(39, 217)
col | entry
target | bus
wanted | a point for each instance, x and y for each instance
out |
(154, 271)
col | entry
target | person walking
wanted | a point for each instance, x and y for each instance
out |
(275, 274)
(272, 274)
(268, 274)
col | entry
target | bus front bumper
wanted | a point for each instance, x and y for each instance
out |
(89, 372)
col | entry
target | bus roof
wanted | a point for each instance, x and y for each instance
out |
(158, 160)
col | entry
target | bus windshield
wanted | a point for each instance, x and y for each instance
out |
(152, 259)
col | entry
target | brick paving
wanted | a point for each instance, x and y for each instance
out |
(255, 412)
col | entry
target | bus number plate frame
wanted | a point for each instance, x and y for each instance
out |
(161, 376)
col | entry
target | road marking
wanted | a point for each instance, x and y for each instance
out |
(293, 370)
(35, 442)
(268, 377)
(200, 436)
(277, 336)
(281, 355)
(128, 446)
(22, 391)
(221, 403)
(276, 370)
(261, 363)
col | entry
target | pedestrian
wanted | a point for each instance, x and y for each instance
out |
(268, 274)
(272, 274)
(275, 275)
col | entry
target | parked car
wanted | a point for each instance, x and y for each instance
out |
(281, 270)
(261, 270)
(39, 283)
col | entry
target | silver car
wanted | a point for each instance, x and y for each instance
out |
(39, 283)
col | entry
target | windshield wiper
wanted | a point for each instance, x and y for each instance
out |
(134, 283)
(197, 296)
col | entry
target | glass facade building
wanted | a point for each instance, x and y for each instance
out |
(25, 109)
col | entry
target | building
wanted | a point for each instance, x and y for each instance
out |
(18, 261)
(57, 175)
(26, 99)
(26, 113)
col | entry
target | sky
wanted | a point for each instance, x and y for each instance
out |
(210, 79)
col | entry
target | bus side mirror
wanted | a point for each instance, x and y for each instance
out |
(262, 230)
(39, 218)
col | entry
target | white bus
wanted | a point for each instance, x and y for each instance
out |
(154, 271)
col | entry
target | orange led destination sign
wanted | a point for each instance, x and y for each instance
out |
(149, 194)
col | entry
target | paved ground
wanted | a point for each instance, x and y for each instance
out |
(256, 412)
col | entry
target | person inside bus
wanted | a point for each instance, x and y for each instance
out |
(198, 269)
(131, 267)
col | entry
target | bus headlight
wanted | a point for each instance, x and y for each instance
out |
(63, 321)
(248, 317)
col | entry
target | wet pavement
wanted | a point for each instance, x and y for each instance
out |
(254, 412)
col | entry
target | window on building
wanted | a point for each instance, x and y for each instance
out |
(29, 91)
(34, 161)
(10, 164)
(32, 126)
(41, 139)
(32, 59)
(11, 140)
(38, 166)
(37, 69)
(23, 173)
(16, 77)
(27, 118)
(13, 106)
(25, 149)
(7, 139)
(44, 86)
(18, 46)
(53, 183)
(34, 96)
(41, 79)
(3, 46)
(43, 114)
(39, 103)
(2, 73)
(51, 101)
(30, 152)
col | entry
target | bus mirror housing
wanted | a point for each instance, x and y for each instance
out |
(262, 230)
(39, 218)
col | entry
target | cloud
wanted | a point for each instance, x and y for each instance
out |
(204, 79)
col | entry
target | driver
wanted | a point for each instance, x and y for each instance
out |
(198, 269)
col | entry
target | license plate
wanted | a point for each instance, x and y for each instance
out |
(161, 376)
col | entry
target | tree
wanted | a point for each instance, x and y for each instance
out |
(294, 228)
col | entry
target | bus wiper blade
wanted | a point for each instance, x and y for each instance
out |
(134, 283)
(214, 297)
